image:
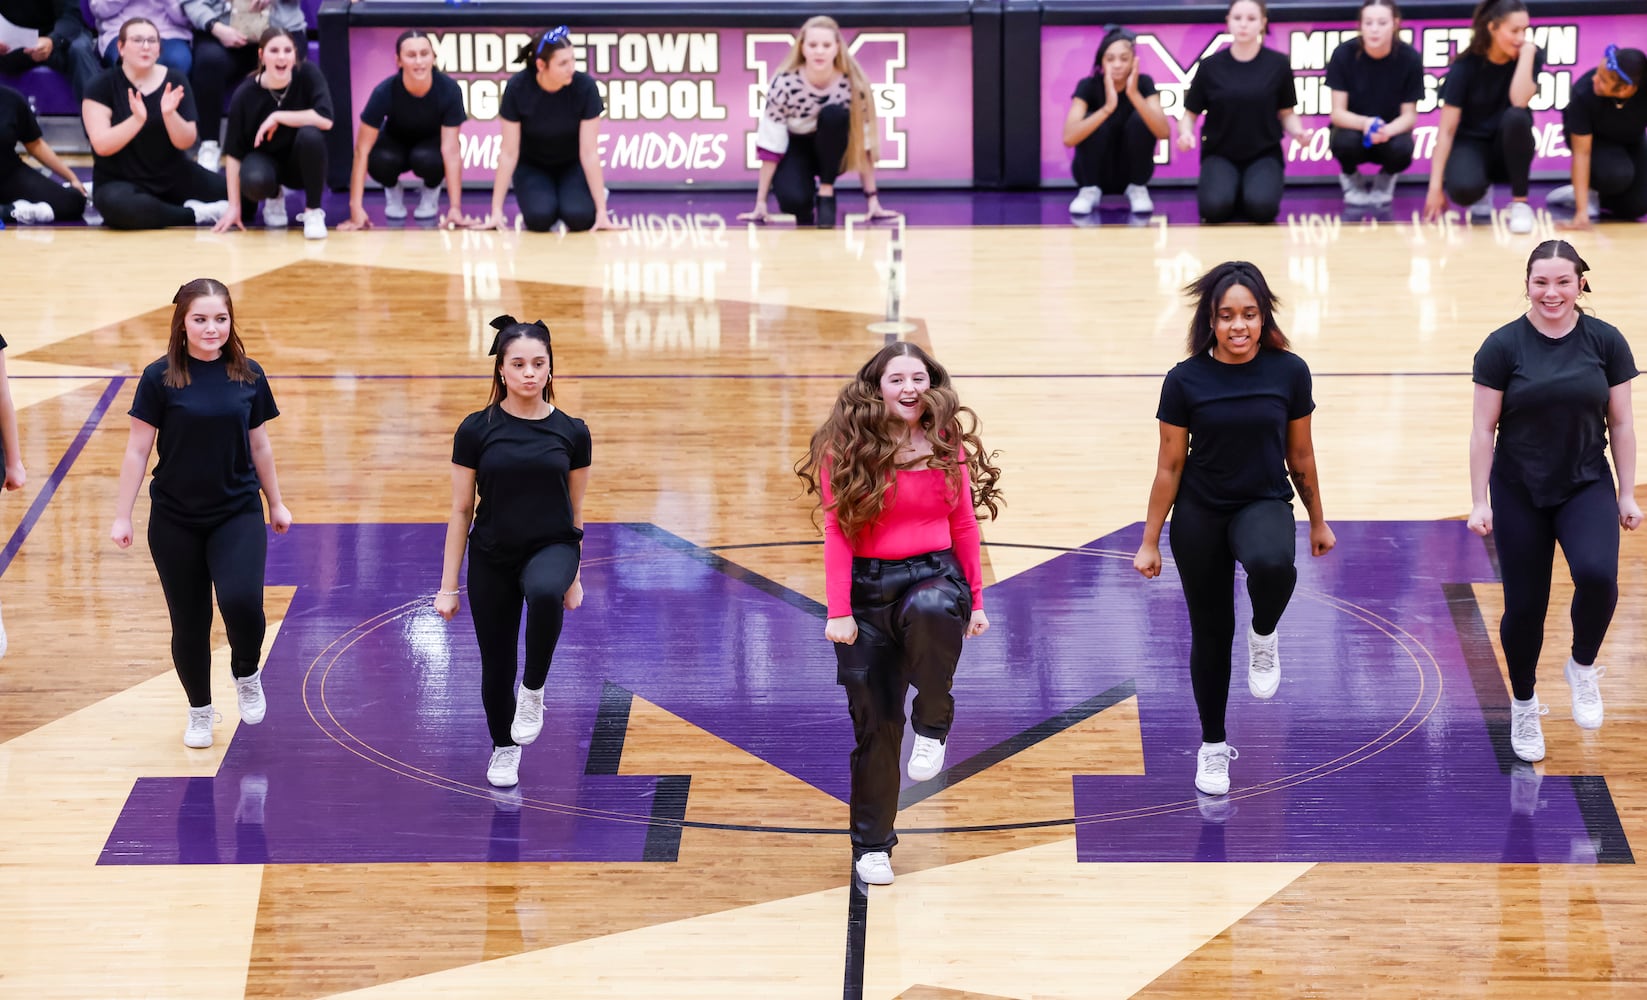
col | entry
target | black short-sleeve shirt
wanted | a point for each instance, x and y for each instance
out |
(1237, 416)
(1242, 101)
(150, 160)
(17, 125)
(1552, 427)
(1480, 89)
(1091, 90)
(1377, 87)
(205, 472)
(549, 123)
(253, 103)
(1605, 117)
(521, 473)
(412, 120)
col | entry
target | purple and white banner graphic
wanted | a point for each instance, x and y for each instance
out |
(682, 105)
(1170, 53)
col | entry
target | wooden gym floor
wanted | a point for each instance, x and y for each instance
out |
(678, 830)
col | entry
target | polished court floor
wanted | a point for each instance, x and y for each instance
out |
(678, 831)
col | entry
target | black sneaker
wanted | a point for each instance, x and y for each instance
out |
(826, 211)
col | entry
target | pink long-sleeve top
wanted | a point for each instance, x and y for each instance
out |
(921, 516)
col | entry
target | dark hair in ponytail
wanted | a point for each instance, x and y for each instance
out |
(510, 330)
(544, 44)
(1553, 249)
(1488, 13)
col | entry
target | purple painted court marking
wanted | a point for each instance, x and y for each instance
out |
(1378, 747)
(36, 509)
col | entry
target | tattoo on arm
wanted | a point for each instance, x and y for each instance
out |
(1306, 492)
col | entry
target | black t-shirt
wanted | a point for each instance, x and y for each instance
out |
(1242, 100)
(253, 104)
(1552, 428)
(549, 123)
(205, 472)
(149, 160)
(521, 468)
(17, 124)
(412, 120)
(1237, 417)
(1091, 90)
(1589, 114)
(1480, 89)
(1377, 87)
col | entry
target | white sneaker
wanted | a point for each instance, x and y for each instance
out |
(250, 691)
(504, 770)
(1264, 663)
(428, 203)
(1526, 731)
(1085, 201)
(206, 213)
(314, 224)
(1355, 190)
(1586, 685)
(927, 759)
(4, 643)
(394, 202)
(274, 212)
(1139, 200)
(528, 716)
(1212, 768)
(199, 732)
(254, 795)
(875, 868)
(1561, 196)
(32, 213)
(1381, 190)
(1521, 217)
(1483, 209)
(209, 156)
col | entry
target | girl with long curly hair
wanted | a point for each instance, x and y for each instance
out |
(819, 122)
(1235, 426)
(900, 472)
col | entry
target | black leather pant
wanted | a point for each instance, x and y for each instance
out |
(912, 615)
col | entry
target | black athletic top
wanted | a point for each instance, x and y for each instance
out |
(205, 472)
(1552, 430)
(150, 160)
(1605, 117)
(521, 473)
(1480, 89)
(1237, 416)
(412, 120)
(1091, 90)
(1377, 87)
(549, 123)
(1242, 101)
(253, 104)
(17, 125)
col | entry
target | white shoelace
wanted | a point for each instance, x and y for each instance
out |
(530, 708)
(1526, 725)
(1587, 690)
(1218, 762)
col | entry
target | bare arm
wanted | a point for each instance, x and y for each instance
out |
(1621, 435)
(1301, 467)
(1186, 129)
(10, 441)
(457, 525)
(365, 139)
(298, 119)
(589, 157)
(508, 156)
(1522, 85)
(1582, 145)
(1404, 122)
(1078, 125)
(1435, 200)
(139, 443)
(1291, 124)
(451, 157)
(263, 461)
(1343, 117)
(107, 139)
(42, 151)
(1169, 471)
(1149, 109)
(1485, 409)
(763, 183)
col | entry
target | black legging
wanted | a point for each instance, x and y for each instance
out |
(1206, 545)
(1586, 525)
(1116, 155)
(912, 615)
(496, 592)
(24, 184)
(1619, 174)
(1474, 165)
(1392, 157)
(300, 163)
(126, 205)
(390, 158)
(1251, 189)
(561, 193)
(191, 561)
(811, 160)
(219, 69)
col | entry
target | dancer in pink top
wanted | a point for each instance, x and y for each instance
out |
(900, 472)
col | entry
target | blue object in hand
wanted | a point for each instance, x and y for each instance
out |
(1366, 137)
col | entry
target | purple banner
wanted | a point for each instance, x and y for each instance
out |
(682, 105)
(1169, 54)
